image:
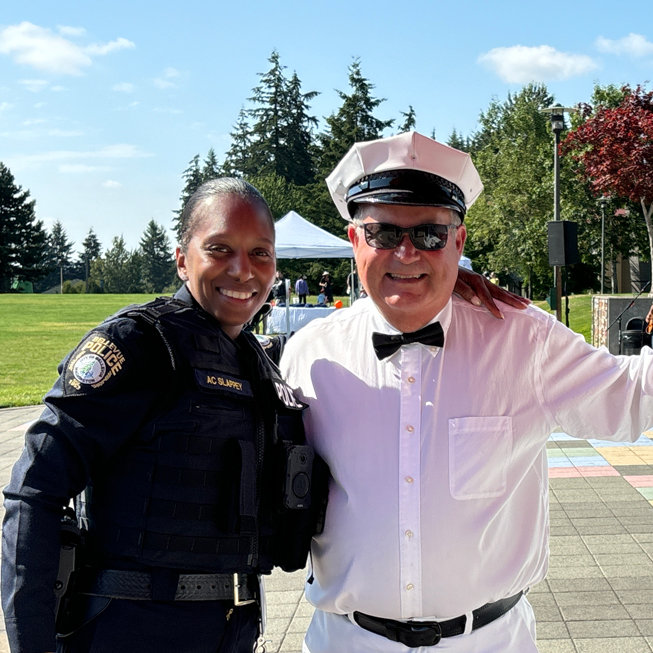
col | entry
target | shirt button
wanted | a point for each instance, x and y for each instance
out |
(409, 533)
(409, 587)
(410, 428)
(411, 379)
(408, 479)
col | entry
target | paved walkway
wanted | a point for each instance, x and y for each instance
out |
(598, 595)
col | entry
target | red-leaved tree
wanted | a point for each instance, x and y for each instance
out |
(615, 147)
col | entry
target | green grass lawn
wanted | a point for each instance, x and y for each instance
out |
(37, 331)
(580, 314)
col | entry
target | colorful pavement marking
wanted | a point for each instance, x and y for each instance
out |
(572, 458)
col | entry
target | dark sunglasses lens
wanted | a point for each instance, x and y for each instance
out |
(423, 236)
(429, 236)
(382, 236)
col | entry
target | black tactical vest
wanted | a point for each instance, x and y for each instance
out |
(201, 485)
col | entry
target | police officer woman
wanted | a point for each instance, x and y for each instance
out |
(175, 433)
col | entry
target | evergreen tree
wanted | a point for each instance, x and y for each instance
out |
(353, 122)
(280, 136)
(459, 142)
(193, 179)
(211, 168)
(119, 269)
(270, 99)
(238, 162)
(299, 134)
(91, 250)
(158, 268)
(59, 252)
(409, 120)
(23, 240)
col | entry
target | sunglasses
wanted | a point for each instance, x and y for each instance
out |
(430, 237)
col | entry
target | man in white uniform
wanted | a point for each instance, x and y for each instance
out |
(437, 523)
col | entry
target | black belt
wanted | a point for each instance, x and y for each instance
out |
(167, 585)
(428, 633)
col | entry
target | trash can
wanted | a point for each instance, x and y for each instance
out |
(632, 341)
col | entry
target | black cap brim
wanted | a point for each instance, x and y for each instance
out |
(408, 187)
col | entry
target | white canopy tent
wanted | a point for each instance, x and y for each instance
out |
(296, 237)
(299, 238)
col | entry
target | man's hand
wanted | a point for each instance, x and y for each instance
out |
(477, 290)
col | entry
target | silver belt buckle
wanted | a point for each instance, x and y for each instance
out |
(237, 600)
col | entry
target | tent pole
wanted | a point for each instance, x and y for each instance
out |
(287, 284)
(351, 285)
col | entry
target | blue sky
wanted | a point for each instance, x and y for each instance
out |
(102, 105)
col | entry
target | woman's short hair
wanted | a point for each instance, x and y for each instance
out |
(211, 189)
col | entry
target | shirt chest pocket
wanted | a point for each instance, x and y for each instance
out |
(480, 449)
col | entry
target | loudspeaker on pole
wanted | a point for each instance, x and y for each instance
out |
(563, 242)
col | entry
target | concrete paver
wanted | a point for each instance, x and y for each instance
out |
(598, 595)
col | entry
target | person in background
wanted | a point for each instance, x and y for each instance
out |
(301, 289)
(279, 289)
(353, 285)
(174, 425)
(326, 288)
(437, 522)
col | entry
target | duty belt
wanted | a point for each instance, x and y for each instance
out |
(167, 585)
(428, 633)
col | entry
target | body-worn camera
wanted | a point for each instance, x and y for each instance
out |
(298, 476)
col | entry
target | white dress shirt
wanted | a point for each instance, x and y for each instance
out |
(439, 497)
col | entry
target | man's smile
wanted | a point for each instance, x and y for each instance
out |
(401, 277)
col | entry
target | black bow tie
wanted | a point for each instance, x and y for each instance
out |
(385, 345)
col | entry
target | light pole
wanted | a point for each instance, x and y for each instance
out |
(557, 118)
(603, 201)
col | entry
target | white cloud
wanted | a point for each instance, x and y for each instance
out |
(123, 87)
(79, 168)
(634, 45)
(64, 133)
(521, 64)
(71, 157)
(165, 81)
(41, 48)
(122, 151)
(33, 85)
(30, 122)
(4, 106)
(20, 135)
(105, 48)
(110, 183)
(69, 30)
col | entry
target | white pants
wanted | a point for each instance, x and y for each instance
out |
(514, 632)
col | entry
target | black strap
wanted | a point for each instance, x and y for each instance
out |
(168, 586)
(428, 633)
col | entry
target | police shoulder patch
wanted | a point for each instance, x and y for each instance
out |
(96, 361)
